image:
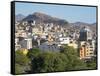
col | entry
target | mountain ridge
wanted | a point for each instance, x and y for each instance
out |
(44, 18)
(19, 17)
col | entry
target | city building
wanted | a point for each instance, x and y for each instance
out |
(85, 34)
(17, 46)
(86, 44)
(64, 40)
(26, 43)
(24, 51)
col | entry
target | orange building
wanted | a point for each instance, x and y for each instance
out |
(82, 52)
(85, 51)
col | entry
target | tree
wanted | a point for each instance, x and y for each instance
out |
(33, 53)
(49, 62)
(21, 62)
(74, 63)
(18, 69)
(20, 58)
(92, 64)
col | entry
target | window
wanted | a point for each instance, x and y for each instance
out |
(90, 43)
(91, 47)
(71, 42)
(91, 53)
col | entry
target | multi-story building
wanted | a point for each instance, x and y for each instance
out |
(64, 40)
(86, 44)
(17, 46)
(85, 34)
(26, 43)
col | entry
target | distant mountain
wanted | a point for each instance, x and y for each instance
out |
(79, 25)
(94, 27)
(19, 17)
(93, 24)
(44, 18)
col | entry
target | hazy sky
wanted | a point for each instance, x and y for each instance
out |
(67, 12)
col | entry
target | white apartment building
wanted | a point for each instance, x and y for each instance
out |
(17, 46)
(64, 40)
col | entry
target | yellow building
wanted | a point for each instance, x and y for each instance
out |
(24, 51)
